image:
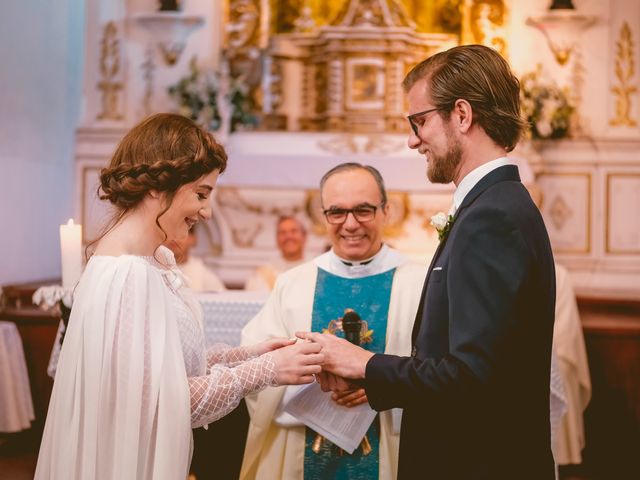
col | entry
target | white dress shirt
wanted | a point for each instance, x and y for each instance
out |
(473, 177)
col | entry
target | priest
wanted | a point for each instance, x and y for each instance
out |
(359, 273)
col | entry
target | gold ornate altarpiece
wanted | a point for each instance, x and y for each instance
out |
(338, 64)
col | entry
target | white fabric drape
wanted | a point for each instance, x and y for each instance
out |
(16, 406)
(133, 376)
(573, 366)
(120, 401)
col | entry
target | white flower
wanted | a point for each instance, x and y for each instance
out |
(442, 223)
(47, 297)
(439, 221)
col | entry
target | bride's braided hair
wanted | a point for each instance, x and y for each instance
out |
(161, 153)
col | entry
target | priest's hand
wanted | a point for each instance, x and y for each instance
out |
(332, 383)
(341, 358)
(269, 345)
(297, 364)
(350, 398)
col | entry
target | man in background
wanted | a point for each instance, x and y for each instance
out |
(291, 237)
(201, 278)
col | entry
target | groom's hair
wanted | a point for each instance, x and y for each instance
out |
(343, 167)
(479, 75)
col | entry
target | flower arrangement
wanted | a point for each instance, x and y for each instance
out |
(545, 106)
(215, 100)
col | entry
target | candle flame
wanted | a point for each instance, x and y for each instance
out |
(70, 222)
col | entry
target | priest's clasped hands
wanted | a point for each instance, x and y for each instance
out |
(344, 364)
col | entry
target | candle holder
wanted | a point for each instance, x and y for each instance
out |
(561, 26)
(170, 30)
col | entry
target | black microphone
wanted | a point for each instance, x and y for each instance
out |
(352, 326)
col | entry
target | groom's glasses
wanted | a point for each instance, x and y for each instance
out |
(415, 116)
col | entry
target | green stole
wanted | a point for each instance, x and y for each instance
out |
(369, 297)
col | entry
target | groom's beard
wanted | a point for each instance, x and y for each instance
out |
(443, 168)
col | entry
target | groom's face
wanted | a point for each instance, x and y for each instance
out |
(433, 135)
(354, 240)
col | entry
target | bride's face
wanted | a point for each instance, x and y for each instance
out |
(191, 203)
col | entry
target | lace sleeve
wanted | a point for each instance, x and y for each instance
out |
(223, 354)
(217, 394)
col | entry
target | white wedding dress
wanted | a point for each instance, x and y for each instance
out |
(134, 376)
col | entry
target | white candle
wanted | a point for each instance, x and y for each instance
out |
(71, 250)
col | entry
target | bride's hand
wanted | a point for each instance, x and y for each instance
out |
(297, 364)
(269, 345)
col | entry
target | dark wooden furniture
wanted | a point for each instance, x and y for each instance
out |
(38, 330)
(612, 419)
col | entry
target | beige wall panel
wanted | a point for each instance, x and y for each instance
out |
(622, 215)
(567, 210)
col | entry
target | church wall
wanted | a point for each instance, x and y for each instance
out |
(588, 182)
(40, 93)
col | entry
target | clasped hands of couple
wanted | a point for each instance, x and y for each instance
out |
(333, 362)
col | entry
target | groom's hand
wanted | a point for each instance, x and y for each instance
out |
(340, 357)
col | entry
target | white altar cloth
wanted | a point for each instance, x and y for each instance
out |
(226, 313)
(16, 406)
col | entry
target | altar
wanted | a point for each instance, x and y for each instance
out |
(226, 313)
(322, 86)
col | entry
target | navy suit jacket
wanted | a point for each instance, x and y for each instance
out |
(475, 391)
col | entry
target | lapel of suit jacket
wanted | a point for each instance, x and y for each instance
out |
(500, 174)
(418, 319)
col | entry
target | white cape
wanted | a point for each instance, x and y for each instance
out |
(120, 403)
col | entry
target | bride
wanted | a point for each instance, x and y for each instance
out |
(134, 376)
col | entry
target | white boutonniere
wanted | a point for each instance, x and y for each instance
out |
(442, 224)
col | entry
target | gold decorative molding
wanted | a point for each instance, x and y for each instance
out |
(148, 68)
(245, 38)
(608, 248)
(560, 212)
(230, 200)
(434, 16)
(563, 213)
(313, 209)
(624, 72)
(243, 26)
(380, 145)
(399, 210)
(577, 126)
(355, 73)
(339, 145)
(483, 22)
(110, 60)
(347, 144)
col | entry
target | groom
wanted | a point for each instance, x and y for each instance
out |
(475, 390)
